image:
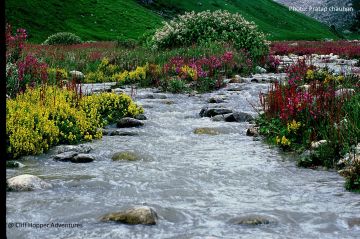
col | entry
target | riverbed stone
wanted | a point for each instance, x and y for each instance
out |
(205, 130)
(214, 100)
(252, 220)
(66, 156)
(211, 112)
(83, 158)
(353, 222)
(26, 182)
(152, 96)
(116, 132)
(128, 122)
(238, 117)
(252, 131)
(218, 118)
(81, 148)
(126, 156)
(133, 216)
(14, 164)
(140, 117)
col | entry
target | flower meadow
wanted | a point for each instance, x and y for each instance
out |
(314, 105)
(47, 108)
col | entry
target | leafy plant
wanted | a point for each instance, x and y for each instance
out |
(63, 38)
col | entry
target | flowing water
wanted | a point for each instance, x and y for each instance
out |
(196, 183)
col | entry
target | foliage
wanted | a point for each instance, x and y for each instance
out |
(222, 26)
(46, 116)
(313, 105)
(348, 49)
(127, 19)
(63, 38)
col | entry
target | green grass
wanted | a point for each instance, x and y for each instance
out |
(127, 19)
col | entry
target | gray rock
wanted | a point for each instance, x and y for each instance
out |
(218, 118)
(211, 112)
(137, 215)
(14, 164)
(253, 131)
(128, 122)
(353, 222)
(81, 148)
(152, 96)
(111, 132)
(83, 158)
(214, 100)
(66, 156)
(238, 117)
(26, 182)
(252, 220)
(141, 117)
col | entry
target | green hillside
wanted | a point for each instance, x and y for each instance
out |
(110, 19)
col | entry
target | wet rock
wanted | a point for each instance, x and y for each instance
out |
(218, 118)
(253, 131)
(152, 96)
(168, 102)
(128, 122)
(236, 79)
(317, 144)
(133, 216)
(81, 148)
(353, 222)
(208, 131)
(14, 164)
(214, 100)
(66, 156)
(125, 155)
(238, 117)
(140, 117)
(238, 88)
(111, 132)
(83, 158)
(211, 112)
(252, 220)
(26, 182)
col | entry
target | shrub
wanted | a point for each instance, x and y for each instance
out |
(177, 85)
(63, 38)
(46, 116)
(192, 28)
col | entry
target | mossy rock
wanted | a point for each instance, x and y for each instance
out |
(208, 131)
(125, 155)
(252, 220)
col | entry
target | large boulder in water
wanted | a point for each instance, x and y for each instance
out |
(137, 215)
(26, 182)
(128, 122)
(239, 117)
(211, 112)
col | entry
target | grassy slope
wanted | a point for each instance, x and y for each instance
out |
(109, 19)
